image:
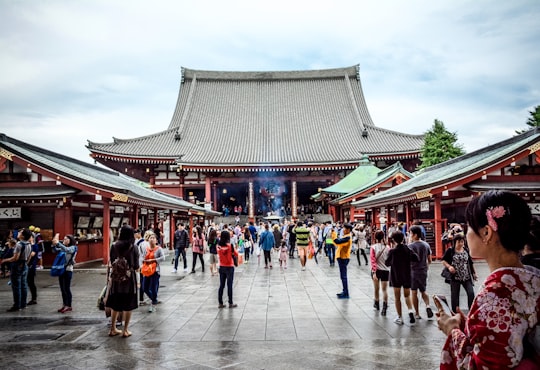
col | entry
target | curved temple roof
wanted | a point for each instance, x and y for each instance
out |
(85, 175)
(296, 118)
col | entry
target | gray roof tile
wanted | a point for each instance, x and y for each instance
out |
(271, 118)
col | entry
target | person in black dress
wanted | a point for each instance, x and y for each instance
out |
(122, 296)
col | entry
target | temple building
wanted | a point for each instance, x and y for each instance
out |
(260, 142)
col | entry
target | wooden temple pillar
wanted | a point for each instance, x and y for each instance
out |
(208, 192)
(106, 231)
(438, 227)
(294, 200)
(251, 199)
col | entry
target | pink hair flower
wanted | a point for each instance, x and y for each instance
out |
(492, 213)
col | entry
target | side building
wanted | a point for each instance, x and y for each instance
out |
(265, 141)
(62, 195)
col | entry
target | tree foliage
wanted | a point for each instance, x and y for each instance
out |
(439, 145)
(533, 121)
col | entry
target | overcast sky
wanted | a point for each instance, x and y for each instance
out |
(72, 71)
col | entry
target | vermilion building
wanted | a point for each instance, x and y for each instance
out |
(262, 140)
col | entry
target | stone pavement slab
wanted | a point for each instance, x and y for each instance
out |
(285, 319)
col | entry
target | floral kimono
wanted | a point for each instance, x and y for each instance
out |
(502, 318)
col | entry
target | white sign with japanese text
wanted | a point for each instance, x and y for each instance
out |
(10, 212)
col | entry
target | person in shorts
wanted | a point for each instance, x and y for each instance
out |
(379, 271)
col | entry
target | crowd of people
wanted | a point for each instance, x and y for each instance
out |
(499, 330)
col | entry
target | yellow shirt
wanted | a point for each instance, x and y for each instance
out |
(344, 245)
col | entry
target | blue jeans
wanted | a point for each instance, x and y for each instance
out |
(331, 250)
(455, 286)
(151, 287)
(65, 287)
(342, 263)
(226, 273)
(19, 284)
(177, 253)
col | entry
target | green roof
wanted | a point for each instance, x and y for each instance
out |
(363, 174)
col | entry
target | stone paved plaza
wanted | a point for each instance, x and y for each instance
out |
(285, 319)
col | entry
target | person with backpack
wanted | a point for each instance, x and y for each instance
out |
(122, 282)
(181, 242)
(19, 270)
(69, 247)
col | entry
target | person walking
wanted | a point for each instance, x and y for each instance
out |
(198, 248)
(181, 242)
(122, 291)
(226, 268)
(460, 264)
(266, 242)
(69, 247)
(19, 270)
(248, 243)
(330, 235)
(292, 239)
(501, 328)
(380, 273)
(399, 260)
(212, 248)
(32, 267)
(153, 256)
(343, 254)
(419, 270)
(302, 242)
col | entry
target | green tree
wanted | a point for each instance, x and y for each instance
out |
(533, 121)
(439, 145)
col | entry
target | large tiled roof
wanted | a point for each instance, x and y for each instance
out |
(266, 118)
(90, 176)
(471, 166)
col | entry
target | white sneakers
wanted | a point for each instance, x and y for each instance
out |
(174, 270)
(152, 308)
(398, 320)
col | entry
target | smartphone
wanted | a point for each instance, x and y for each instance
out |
(442, 304)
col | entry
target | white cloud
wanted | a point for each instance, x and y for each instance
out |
(96, 69)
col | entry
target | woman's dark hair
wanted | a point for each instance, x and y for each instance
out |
(533, 239)
(72, 240)
(126, 237)
(198, 230)
(397, 236)
(212, 236)
(512, 225)
(225, 238)
(379, 235)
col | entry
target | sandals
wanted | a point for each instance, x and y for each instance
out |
(114, 332)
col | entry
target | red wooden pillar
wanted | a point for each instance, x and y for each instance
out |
(208, 191)
(106, 231)
(438, 227)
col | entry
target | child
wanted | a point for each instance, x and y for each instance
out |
(283, 254)
(399, 260)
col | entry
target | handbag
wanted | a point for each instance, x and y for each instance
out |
(234, 257)
(447, 275)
